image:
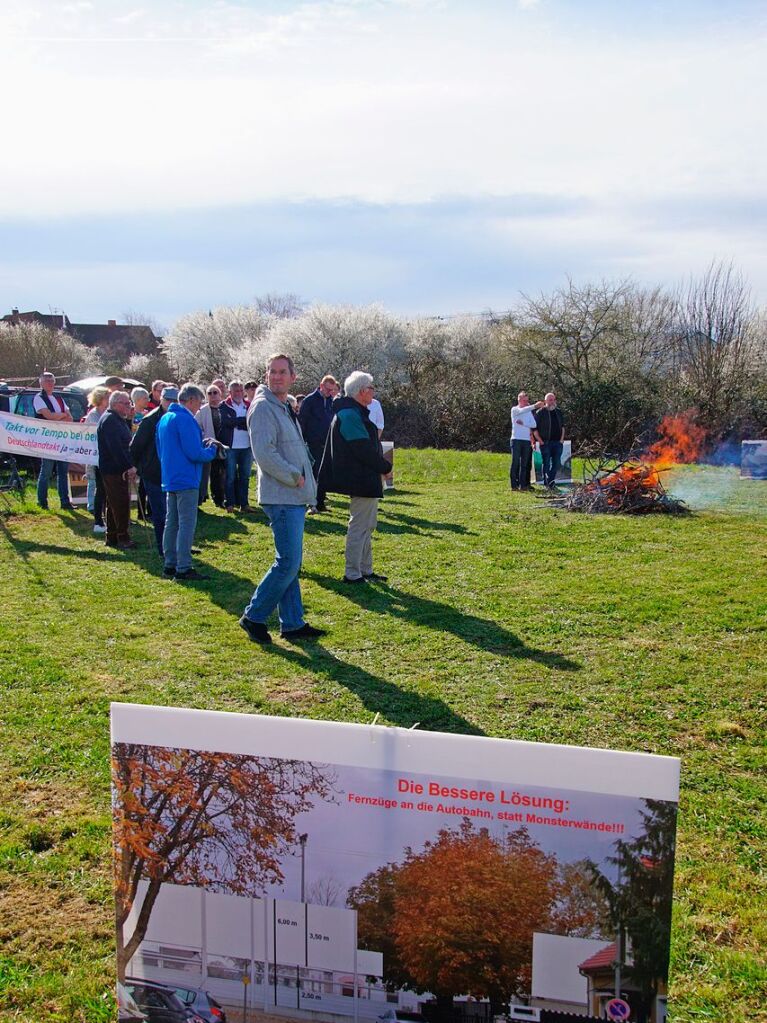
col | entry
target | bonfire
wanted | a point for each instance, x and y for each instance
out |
(634, 486)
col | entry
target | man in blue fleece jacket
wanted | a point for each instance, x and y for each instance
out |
(183, 453)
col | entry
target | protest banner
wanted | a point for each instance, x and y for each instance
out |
(334, 864)
(43, 438)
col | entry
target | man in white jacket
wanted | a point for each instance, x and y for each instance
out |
(286, 487)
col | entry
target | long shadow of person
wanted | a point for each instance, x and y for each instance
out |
(399, 706)
(389, 521)
(210, 528)
(480, 632)
(400, 522)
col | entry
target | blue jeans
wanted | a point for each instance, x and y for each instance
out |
(180, 524)
(62, 480)
(279, 587)
(158, 506)
(551, 459)
(238, 464)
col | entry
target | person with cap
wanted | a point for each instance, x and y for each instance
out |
(183, 452)
(143, 450)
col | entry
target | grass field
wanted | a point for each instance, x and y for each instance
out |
(500, 617)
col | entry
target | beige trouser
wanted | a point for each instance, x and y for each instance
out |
(363, 515)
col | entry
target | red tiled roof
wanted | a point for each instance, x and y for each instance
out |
(605, 957)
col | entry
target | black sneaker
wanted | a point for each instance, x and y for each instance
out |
(346, 579)
(376, 578)
(257, 631)
(169, 571)
(305, 632)
(191, 575)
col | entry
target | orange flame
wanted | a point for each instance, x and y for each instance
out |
(680, 440)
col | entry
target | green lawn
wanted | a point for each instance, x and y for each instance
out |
(501, 617)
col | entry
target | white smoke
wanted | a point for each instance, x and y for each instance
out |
(715, 487)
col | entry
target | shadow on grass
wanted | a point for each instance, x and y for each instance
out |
(411, 523)
(399, 706)
(389, 521)
(480, 632)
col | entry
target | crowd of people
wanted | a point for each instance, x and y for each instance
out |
(176, 446)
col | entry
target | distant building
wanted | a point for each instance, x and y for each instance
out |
(54, 321)
(599, 971)
(117, 341)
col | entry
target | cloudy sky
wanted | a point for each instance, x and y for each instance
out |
(438, 156)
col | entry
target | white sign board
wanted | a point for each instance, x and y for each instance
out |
(370, 824)
(44, 438)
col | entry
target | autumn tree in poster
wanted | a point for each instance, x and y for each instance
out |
(221, 821)
(461, 913)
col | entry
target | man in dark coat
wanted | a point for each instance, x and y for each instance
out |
(550, 433)
(315, 417)
(353, 464)
(116, 468)
(144, 454)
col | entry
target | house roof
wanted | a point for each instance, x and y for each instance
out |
(56, 321)
(93, 334)
(605, 957)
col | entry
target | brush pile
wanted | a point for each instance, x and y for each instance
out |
(629, 488)
(633, 487)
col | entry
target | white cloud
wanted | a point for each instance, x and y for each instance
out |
(386, 101)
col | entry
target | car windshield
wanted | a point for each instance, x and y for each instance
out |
(77, 403)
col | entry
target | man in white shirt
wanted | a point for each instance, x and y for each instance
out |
(239, 458)
(522, 422)
(376, 416)
(52, 407)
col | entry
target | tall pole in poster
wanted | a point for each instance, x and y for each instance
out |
(619, 940)
(266, 954)
(302, 839)
(356, 1004)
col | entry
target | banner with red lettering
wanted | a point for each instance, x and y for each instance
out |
(330, 863)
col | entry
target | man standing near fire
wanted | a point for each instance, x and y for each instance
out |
(549, 432)
(522, 425)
